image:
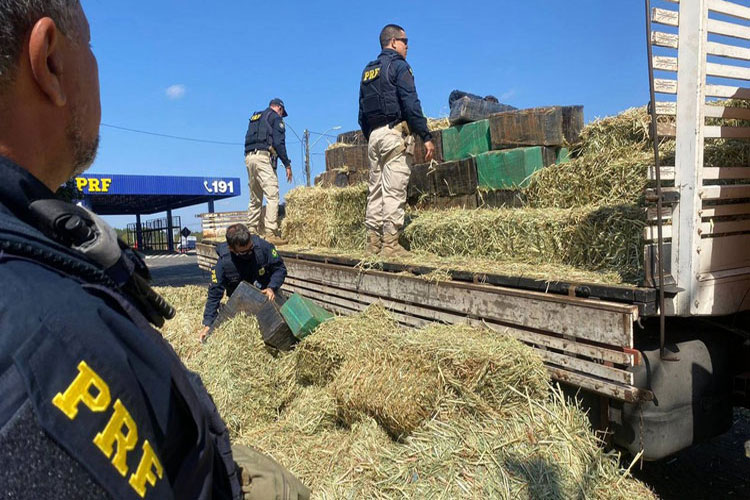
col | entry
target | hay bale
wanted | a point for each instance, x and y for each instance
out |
(470, 361)
(546, 450)
(608, 167)
(595, 238)
(496, 435)
(314, 410)
(247, 383)
(399, 392)
(320, 356)
(331, 217)
(481, 362)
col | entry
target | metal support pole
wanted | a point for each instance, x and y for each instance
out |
(659, 205)
(306, 136)
(170, 235)
(211, 208)
(138, 232)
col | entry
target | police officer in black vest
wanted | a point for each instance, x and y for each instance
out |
(389, 112)
(264, 143)
(94, 403)
(244, 257)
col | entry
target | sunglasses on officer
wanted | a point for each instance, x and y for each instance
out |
(243, 251)
(405, 41)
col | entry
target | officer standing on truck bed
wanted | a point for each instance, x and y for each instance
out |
(389, 112)
(264, 143)
(94, 403)
(244, 257)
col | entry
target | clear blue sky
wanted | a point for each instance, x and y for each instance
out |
(199, 69)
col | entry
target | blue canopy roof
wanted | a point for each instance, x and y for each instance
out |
(148, 194)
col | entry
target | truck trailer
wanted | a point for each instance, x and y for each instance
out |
(660, 365)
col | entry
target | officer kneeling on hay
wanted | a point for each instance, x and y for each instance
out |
(389, 111)
(94, 403)
(244, 257)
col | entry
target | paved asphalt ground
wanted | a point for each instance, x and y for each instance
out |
(177, 270)
(714, 470)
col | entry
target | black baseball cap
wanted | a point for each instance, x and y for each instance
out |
(278, 102)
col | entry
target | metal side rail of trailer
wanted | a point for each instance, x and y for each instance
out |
(584, 342)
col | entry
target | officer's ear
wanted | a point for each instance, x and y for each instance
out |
(46, 60)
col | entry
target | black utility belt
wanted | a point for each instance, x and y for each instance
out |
(383, 123)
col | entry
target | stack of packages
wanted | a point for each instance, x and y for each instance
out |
(282, 322)
(486, 162)
(484, 159)
(505, 188)
(347, 163)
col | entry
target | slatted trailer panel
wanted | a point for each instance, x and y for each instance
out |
(701, 63)
(214, 225)
(582, 341)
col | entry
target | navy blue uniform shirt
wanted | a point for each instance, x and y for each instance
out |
(391, 80)
(266, 129)
(264, 266)
(94, 403)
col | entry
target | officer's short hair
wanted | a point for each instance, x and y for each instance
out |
(17, 17)
(238, 235)
(390, 31)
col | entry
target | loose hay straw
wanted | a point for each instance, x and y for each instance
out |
(495, 432)
(595, 238)
(332, 217)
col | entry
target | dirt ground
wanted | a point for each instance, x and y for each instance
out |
(714, 470)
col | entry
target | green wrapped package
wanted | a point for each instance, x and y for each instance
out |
(466, 140)
(303, 315)
(512, 168)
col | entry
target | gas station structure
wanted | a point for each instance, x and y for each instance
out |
(149, 194)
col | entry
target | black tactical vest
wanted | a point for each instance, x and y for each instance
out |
(379, 101)
(259, 132)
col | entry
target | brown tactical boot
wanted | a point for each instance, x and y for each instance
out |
(391, 247)
(275, 240)
(374, 242)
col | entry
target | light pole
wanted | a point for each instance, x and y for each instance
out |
(308, 147)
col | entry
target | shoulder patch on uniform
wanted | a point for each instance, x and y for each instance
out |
(410, 71)
(261, 271)
(371, 75)
(281, 125)
(256, 117)
(87, 400)
(213, 276)
(274, 253)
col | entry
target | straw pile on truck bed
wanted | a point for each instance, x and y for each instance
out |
(588, 213)
(365, 409)
(330, 217)
(595, 238)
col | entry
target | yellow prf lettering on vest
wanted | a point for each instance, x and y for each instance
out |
(79, 391)
(371, 75)
(90, 389)
(145, 472)
(126, 441)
